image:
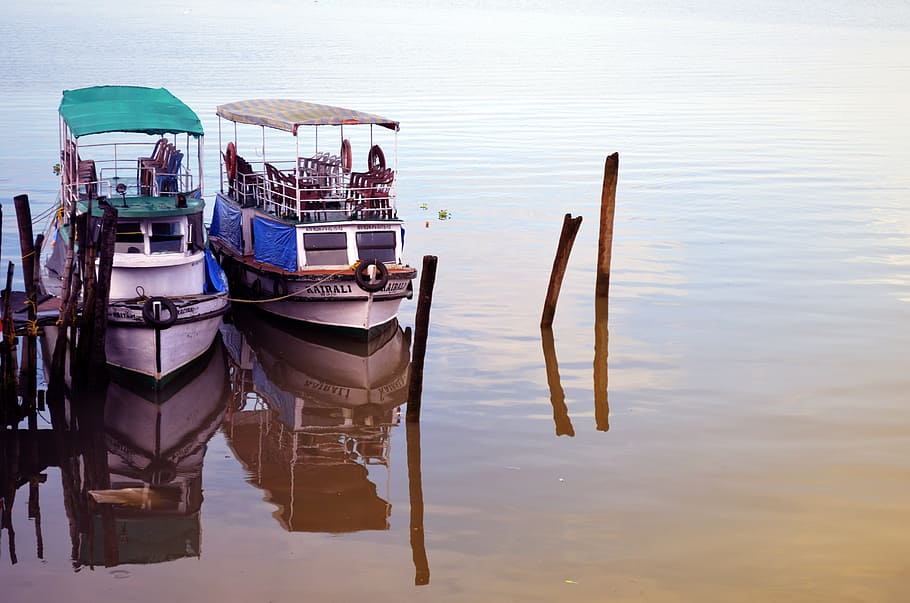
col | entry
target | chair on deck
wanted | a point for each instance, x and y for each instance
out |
(158, 163)
(168, 182)
(286, 192)
(371, 191)
(79, 172)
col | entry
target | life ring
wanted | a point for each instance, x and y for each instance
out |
(370, 283)
(279, 288)
(230, 161)
(376, 159)
(347, 159)
(157, 320)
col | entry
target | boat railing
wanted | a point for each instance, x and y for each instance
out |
(116, 164)
(316, 189)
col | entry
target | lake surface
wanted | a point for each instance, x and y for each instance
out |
(759, 433)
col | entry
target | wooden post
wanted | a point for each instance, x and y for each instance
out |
(601, 343)
(607, 210)
(98, 358)
(570, 227)
(10, 386)
(421, 326)
(27, 374)
(415, 497)
(557, 395)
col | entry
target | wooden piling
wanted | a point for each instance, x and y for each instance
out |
(601, 343)
(10, 386)
(421, 326)
(28, 372)
(570, 227)
(98, 358)
(607, 210)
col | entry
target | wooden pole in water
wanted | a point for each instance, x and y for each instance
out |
(27, 374)
(607, 210)
(10, 386)
(601, 345)
(98, 359)
(570, 227)
(421, 326)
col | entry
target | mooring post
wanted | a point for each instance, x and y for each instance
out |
(27, 374)
(98, 359)
(10, 385)
(421, 326)
(601, 345)
(570, 227)
(607, 210)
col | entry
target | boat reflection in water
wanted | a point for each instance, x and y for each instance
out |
(314, 413)
(141, 495)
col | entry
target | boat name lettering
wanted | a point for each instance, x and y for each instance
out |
(373, 227)
(328, 289)
(322, 229)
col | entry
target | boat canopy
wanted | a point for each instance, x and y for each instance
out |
(288, 115)
(102, 109)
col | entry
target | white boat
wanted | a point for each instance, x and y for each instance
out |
(167, 294)
(302, 234)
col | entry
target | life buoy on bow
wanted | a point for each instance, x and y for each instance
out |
(376, 159)
(347, 159)
(230, 162)
(152, 312)
(371, 280)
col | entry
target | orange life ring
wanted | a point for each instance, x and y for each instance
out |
(347, 159)
(230, 161)
(376, 159)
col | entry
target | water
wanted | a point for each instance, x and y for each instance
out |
(758, 431)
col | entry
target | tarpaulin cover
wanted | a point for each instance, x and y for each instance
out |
(102, 109)
(215, 280)
(275, 243)
(226, 224)
(288, 115)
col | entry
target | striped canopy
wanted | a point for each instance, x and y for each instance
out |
(288, 115)
(102, 109)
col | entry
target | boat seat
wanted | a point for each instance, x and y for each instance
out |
(167, 182)
(79, 172)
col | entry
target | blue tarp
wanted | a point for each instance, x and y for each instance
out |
(226, 224)
(275, 243)
(215, 280)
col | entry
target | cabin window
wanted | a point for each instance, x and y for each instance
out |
(129, 238)
(379, 245)
(166, 237)
(326, 248)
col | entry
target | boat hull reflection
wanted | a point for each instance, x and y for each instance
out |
(312, 416)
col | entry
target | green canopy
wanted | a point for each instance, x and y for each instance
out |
(288, 115)
(102, 109)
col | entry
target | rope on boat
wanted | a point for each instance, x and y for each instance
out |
(293, 293)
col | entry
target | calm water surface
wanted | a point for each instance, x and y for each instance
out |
(759, 434)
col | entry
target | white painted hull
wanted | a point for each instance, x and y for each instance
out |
(133, 345)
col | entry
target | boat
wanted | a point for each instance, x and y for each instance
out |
(302, 234)
(125, 146)
(314, 418)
